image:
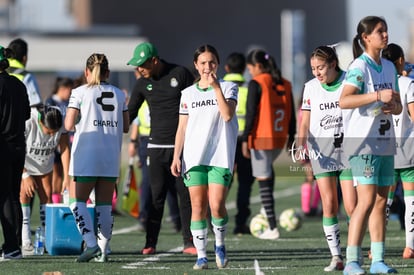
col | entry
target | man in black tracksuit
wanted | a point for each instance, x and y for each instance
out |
(161, 85)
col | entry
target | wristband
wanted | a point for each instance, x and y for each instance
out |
(133, 140)
(25, 175)
(378, 96)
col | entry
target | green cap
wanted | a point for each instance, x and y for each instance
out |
(142, 53)
(2, 53)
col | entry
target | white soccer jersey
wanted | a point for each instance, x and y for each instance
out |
(326, 134)
(404, 127)
(40, 147)
(209, 140)
(367, 129)
(96, 147)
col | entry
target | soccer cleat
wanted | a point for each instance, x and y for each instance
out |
(88, 254)
(270, 234)
(381, 268)
(221, 259)
(336, 264)
(103, 258)
(148, 250)
(27, 249)
(201, 264)
(353, 268)
(14, 255)
(190, 250)
(408, 253)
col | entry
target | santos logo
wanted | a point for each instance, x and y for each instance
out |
(301, 153)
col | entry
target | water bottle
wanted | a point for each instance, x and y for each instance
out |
(375, 109)
(66, 197)
(39, 245)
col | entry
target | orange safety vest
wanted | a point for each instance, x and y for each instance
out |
(271, 128)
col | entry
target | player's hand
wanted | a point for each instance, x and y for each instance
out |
(176, 168)
(212, 80)
(245, 150)
(29, 186)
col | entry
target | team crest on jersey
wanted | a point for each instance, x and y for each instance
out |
(149, 87)
(368, 171)
(173, 82)
(187, 176)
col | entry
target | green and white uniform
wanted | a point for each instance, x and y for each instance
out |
(404, 127)
(326, 134)
(368, 131)
(96, 148)
(209, 140)
(40, 147)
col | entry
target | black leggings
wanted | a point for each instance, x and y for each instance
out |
(11, 168)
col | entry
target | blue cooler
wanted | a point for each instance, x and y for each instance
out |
(62, 235)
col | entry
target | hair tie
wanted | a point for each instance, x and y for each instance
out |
(266, 56)
(333, 46)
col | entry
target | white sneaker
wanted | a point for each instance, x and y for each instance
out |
(336, 264)
(27, 249)
(269, 234)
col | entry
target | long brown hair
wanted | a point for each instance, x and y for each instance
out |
(367, 26)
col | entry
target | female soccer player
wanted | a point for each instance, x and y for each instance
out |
(98, 113)
(369, 96)
(207, 137)
(322, 127)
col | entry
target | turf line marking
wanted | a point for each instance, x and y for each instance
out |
(154, 258)
(126, 230)
(230, 205)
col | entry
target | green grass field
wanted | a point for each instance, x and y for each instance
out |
(300, 252)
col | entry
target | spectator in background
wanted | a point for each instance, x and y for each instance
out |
(18, 69)
(270, 127)
(140, 129)
(14, 111)
(60, 98)
(235, 67)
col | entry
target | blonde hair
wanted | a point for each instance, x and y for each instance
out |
(98, 65)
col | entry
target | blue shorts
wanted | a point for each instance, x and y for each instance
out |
(372, 169)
